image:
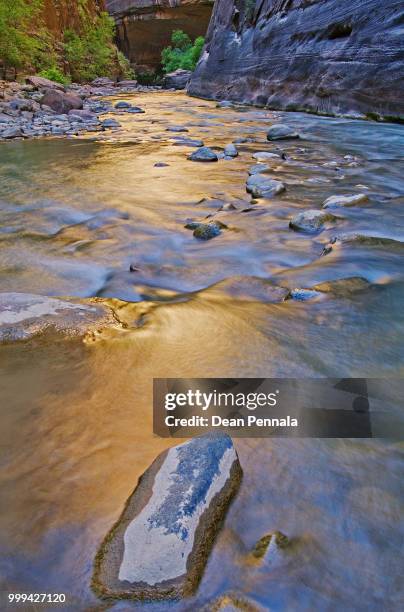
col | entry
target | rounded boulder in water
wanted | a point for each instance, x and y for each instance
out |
(204, 154)
(281, 132)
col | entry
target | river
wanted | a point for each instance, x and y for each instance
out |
(94, 216)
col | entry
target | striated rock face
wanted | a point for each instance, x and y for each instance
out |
(60, 15)
(145, 26)
(331, 56)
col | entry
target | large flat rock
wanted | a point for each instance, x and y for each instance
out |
(24, 315)
(159, 546)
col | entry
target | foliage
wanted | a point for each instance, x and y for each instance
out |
(53, 73)
(86, 52)
(18, 45)
(124, 66)
(90, 53)
(147, 77)
(182, 53)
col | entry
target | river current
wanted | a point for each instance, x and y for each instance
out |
(94, 216)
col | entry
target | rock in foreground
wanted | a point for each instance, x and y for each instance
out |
(24, 315)
(159, 546)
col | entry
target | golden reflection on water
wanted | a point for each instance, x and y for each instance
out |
(77, 419)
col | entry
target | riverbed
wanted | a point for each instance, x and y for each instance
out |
(95, 217)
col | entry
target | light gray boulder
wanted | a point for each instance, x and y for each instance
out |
(261, 186)
(281, 132)
(345, 200)
(24, 315)
(311, 221)
(160, 544)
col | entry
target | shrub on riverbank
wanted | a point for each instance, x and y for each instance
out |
(83, 52)
(182, 53)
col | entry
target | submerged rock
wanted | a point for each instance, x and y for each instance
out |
(311, 221)
(177, 128)
(347, 200)
(364, 240)
(281, 132)
(135, 110)
(179, 141)
(249, 288)
(344, 287)
(265, 155)
(160, 544)
(110, 123)
(122, 105)
(207, 231)
(204, 154)
(304, 295)
(233, 602)
(258, 169)
(272, 540)
(264, 187)
(24, 315)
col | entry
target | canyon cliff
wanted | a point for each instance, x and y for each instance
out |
(145, 26)
(62, 15)
(327, 56)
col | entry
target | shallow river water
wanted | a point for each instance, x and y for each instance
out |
(76, 418)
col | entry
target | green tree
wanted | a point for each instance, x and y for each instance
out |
(91, 53)
(18, 45)
(182, 53)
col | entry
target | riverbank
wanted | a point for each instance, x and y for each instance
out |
(40, 107)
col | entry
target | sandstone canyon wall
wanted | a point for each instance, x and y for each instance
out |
(331, 56)
(145, 26)
(60, 15)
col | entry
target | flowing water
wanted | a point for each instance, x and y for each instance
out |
(76, 419)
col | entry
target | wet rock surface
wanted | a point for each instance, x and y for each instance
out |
(44, 108)
(310, 221)
(281, 132)
(319, 56)
(24, 316)
(261, 186)
(204, 154)
(177, 80)
(345, 200)
(159, 546)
